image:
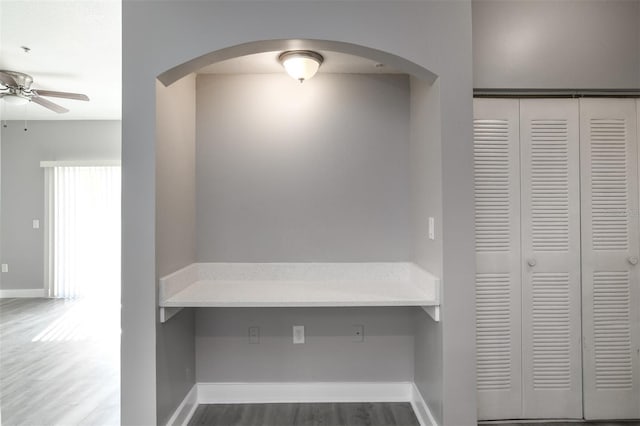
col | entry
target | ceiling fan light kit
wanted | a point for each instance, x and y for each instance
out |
(15, 99)
(15, 88)
(301, 64)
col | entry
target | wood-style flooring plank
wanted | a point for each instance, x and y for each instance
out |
(59, 362)
(320, 414)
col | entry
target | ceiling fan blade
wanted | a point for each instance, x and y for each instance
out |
(8, 80)
(48, 104)
(66, 95)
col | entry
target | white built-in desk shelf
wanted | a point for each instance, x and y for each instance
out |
(243, 285)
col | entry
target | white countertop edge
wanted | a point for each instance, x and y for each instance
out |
(196, 273)
(179, 280)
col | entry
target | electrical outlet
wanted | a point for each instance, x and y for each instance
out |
(298, 334)
(357, 333)
(5, 267)
(254, 335)
(36, 224)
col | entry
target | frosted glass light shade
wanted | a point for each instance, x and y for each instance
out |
(15, 99)
(301, 64)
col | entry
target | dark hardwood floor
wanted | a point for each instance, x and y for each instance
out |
(318, 414)
(59, 363)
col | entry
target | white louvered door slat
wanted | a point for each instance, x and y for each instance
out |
(611, 299)
(549, 144)
(497, 224)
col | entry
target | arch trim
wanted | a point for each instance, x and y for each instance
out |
(176, 73)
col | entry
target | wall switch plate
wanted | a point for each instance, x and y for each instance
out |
(357, 333)
(298, 334)
(5, 267)
(36, 224)
(254, 335)
(432, 228)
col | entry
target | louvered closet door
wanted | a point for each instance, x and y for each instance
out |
(611, 300)
(549, 144)
(497, 224)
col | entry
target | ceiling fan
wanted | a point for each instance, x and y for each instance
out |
(15, 87)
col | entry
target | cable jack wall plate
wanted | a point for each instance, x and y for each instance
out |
(298, 334)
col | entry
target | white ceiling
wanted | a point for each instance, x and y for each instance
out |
(75, 47)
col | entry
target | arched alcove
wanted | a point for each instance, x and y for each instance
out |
(332, 170)
(300, 195)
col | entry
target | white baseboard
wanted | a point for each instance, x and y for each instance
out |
(20, 293)
(264, 393)
(185, 410)
(421, 409)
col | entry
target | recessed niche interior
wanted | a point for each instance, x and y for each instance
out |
(308, 194)
(311, 172)
(308, 204)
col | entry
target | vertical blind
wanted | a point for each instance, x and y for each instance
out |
(83, 232)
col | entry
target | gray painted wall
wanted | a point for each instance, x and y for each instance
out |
(428, 362)
(176, 175)
(426, 196)
(340, 145)
(175, 235)
(458, 254)
(314, 172)
(426, 174)
(328, 354)
(556, 44)
(317, 172)
(160, 35)
(22, 190)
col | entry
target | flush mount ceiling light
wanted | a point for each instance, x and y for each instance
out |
(301, 64)
(15, 99)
